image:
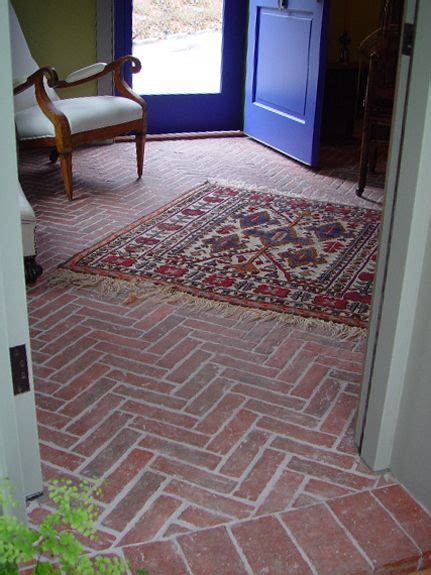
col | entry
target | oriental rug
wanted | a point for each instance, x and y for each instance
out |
(227, 245)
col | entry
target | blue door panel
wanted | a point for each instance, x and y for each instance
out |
(281, 72)
(285, 74)
(196, 112)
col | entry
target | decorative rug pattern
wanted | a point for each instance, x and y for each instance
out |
(252, 248)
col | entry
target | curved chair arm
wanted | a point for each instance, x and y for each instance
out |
(36, 78)
(116, 67)
(58, 119)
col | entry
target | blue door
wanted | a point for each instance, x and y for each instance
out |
(196, 112)
(285, 75)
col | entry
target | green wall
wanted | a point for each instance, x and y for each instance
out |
(60, 33)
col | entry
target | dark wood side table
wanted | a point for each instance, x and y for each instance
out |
(339, 104)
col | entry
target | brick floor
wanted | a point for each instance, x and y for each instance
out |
(226, 444)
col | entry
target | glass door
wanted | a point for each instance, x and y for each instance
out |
(192, 55)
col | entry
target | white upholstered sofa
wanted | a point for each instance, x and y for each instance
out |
(28, 226)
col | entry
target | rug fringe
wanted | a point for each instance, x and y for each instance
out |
(132, 291)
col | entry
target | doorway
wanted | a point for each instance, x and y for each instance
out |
(193, 61)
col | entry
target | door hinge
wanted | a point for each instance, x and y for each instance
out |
(19, 368)
(408, 38)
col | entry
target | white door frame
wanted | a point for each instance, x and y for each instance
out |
(403, 242)
(18, 429)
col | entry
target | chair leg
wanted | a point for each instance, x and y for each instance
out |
(53, 156)
(363, 162)
(66, 171)
(140, 148)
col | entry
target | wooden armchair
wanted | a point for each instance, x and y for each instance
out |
(381, 51)
(43, 120)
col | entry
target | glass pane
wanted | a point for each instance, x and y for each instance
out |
(179, 44)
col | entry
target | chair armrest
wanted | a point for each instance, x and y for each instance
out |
(85, 73)
(96, 71)
(21, 84)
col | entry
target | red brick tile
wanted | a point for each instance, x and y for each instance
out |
(60, 458)
(323, 398)
(189, 366)
(128, 469)
(247, 366)
(409, 514)
(77, 367)
(309, 452)
(143, 382)
(275, 552)
(289, 415)
(181, 452)
(220, 414)
(213, 328)
(332, 351)
(75, 349)
(54, 437)
(240, 354)
(325, 472)
(344, 375)
(176, 354)
(48, 402)
(234, 430)
(296, 368)
(157, 558)
(201, 518)
(325, 542)
(94, 392)
(309, 436)
(282, 494)
(110, 454)
(209, 500)
(159, 322)
(75, 385)
(150, 396)
(194, 475)
(209, 397)
(152, 412)
(336, 420)
(313, 377)
(258, 381)
(94, 415)
(345, 365)
(127, 352)
(278, 399)
(102, 433)
(82, 381)
(138, 367)
(211, 551)
(260, 475)
(197, 381)
(381, 539)
(169, 431)
(65, 339)
(244, 454)
(133, 501)
(325, 490)
(51, 419)
(147, 526)
(284, 353)
(119, 339)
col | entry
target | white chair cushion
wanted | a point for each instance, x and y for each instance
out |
(88, 113)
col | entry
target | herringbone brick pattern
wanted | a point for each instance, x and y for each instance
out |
(225, 445)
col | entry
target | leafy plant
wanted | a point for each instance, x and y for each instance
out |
(55, 547)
